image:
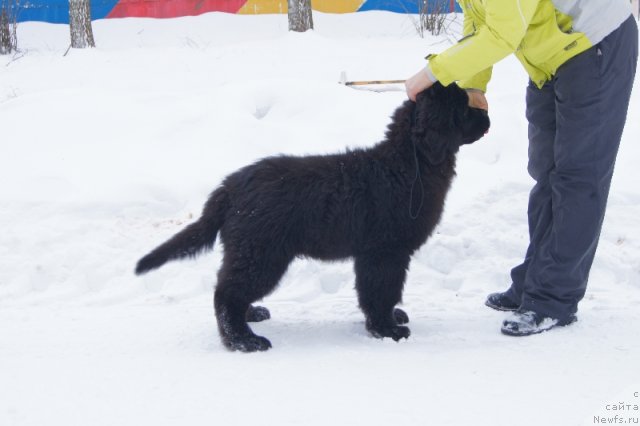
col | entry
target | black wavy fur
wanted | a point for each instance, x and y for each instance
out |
(376, 205)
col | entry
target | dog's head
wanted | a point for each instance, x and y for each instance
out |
(444, 121)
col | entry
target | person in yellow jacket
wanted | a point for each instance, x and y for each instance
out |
(581, 57)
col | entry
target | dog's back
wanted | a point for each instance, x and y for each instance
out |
(326, 207)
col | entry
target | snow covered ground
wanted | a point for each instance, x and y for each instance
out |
(106, 152)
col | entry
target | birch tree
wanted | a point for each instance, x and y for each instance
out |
(8, 25)
(300, 15)
(80, 24)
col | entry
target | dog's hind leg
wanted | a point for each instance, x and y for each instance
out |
(241, 281)
(379, 282)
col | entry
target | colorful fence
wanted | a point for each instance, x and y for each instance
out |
(57, 11)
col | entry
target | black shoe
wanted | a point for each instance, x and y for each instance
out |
(526, 323)
(500, 302)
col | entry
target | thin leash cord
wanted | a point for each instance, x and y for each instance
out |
(418, 177)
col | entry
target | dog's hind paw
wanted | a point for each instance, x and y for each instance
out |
(399, 332)
(248, 343)
(257, 314)
(400, 316)
(396, 332)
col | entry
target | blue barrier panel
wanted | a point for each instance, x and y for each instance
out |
(408, 6)
(57, 11)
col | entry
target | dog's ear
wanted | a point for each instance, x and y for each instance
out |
(437, 125)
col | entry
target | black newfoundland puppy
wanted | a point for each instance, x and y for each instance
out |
(376, 205)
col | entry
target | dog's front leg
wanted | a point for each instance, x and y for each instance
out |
(380, 279)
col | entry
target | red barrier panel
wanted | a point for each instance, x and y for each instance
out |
(172, 8)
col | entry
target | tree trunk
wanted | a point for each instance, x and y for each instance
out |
(80, 24)
(300, 15)
(8, 24)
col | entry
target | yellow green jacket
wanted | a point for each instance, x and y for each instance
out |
(543, 34)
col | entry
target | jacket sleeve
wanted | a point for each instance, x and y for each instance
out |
(480, 80)
(471, 59)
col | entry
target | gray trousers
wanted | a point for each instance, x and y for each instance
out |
(575, 126)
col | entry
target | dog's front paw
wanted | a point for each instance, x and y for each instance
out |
(396, 332)
(257, 314)
(400, 316)
(248, 343)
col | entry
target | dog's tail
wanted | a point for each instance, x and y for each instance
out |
(194, 239)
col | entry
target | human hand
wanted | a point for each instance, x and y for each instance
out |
(417, 84)
(477, 99)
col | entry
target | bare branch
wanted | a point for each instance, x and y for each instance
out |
(433, 16)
